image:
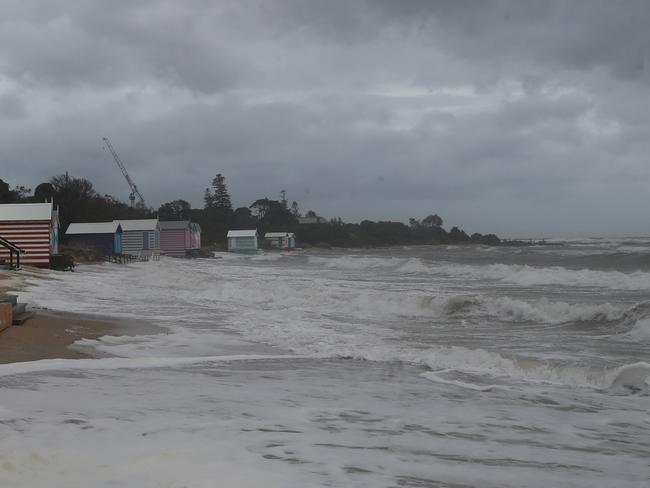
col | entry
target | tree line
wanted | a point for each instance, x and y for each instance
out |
(78, 201)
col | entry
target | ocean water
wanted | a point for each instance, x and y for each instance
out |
(405, 367)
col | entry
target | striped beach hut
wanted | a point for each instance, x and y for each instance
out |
(140, 237)
(242, 241)
(281, 240)
(103, 237)
(175, 238)
(33, 227)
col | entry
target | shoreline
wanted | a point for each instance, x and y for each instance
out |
(50, 334)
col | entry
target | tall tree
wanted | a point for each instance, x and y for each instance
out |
(432, 221)
(6, 195)
(44, 192)
(261, 207)
(295, 210)
(75, 198)
(221, 195)
(175, 210)
(208, 199)
(243, 218)
(273, 213)
(15, 195)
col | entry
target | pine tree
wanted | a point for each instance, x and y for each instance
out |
(221, 195)
(208, 199)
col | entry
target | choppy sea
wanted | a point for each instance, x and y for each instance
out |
(405, 367)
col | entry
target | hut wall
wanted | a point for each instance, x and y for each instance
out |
(242, 244)
(36, 237)
(132, 242)
(136, 241)
(101, 243)
(174, 242)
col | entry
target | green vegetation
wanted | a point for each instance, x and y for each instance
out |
(78, 201)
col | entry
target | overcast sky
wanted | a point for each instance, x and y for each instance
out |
(521, 118)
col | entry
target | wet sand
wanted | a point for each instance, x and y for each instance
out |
(50, 334)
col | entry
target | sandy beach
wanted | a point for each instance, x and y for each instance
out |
(49, 335)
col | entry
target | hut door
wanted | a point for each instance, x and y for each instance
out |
(118, 243)
(145, 240)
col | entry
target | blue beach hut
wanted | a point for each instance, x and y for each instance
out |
(103, 237)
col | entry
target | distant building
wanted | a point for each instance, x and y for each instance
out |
(140, 237)
(311, 220)
(281, 240)
(102, 237)
(242, 241)
(33, 227)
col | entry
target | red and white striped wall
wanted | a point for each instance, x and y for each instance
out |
(34, 236)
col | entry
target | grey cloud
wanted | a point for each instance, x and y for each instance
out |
(501, 116)
(11, 106)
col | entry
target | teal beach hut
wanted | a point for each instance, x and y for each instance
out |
(242, 241)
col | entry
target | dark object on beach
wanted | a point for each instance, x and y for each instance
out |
(62, 262)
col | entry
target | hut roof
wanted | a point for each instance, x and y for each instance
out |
(93, 228)
(174, 224)
(138, 224)
(26, 211)
(242, 233)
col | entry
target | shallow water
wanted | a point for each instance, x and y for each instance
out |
(415, 366)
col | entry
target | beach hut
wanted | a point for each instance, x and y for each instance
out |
(140, 237)
(175, 238)
(195, 236)
(281, 240)
(102, 237)
(32, 227)
(243, 241)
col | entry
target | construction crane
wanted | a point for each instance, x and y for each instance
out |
(134, 188)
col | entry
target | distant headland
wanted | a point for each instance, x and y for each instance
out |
(78, 201)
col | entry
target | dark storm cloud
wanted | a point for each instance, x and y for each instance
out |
(516, 117)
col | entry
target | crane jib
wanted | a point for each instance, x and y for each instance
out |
(134, 188)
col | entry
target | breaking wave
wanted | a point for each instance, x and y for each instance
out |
(641, 330)
(314, 316)
(517, 274)
(356, 262)
(525, 275)
(629, 378)
(501, 307)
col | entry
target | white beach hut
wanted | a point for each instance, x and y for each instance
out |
(140, 237)
(281, 240)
